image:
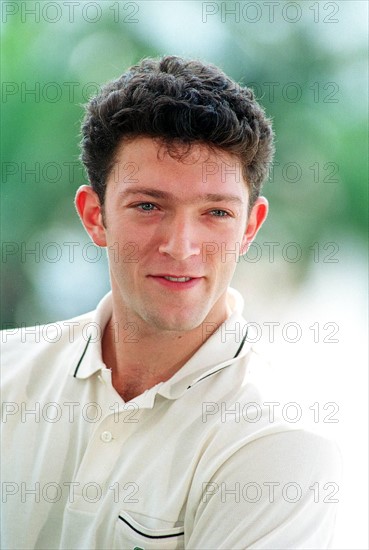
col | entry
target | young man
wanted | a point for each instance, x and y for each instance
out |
(114, 432)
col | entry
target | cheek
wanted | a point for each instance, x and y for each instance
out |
(231, 247)
(224, 260)
(123, 254)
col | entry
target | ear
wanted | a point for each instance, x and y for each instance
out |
(89, 209)
(256, 219)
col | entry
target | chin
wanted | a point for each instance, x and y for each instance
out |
(176, 324)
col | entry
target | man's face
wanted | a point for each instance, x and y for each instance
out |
(174, 230)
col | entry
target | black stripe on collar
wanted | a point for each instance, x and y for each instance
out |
(206, 376)
(242, 344)
(82, 356)
(214, 372)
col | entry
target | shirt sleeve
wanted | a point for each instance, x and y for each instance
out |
(278, 491)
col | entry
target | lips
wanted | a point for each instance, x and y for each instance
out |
(177, 279)
(176, 282)
(182, 277)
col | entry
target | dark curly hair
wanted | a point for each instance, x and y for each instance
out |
(179, 101)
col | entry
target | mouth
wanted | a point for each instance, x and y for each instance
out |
(177, 279)
(176, 282)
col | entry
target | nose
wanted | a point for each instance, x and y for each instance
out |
(179, 238)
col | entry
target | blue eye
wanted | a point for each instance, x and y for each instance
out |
(146, 206)
(219, 213)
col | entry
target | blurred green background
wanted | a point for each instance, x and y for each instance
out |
(307, 62)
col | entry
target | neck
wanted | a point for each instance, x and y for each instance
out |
(140, 357)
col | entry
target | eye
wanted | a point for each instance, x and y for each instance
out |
(219, 213)
(146, 206)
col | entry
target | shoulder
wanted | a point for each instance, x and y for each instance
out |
(289, 453)
(39, 336)
(40, 349)
(247, 430)
(247, 438)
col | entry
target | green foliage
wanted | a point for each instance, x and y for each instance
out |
(317, 189)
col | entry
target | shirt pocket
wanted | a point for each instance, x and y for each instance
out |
(132, 534)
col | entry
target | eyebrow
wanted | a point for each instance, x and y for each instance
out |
(156, 194)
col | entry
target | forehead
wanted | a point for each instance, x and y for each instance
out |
(176, 167)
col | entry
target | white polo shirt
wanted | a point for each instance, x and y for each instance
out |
(195, 462)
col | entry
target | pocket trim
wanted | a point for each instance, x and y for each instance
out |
(150, 536)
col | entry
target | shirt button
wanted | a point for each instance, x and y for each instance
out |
(106, 437)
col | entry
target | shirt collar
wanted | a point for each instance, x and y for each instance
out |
(226, 345)
(88, 359)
